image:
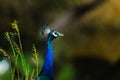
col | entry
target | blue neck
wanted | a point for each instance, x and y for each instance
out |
(47, 69)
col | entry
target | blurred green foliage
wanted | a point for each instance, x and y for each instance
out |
(66, 73)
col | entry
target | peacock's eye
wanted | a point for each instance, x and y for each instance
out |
(55, 34)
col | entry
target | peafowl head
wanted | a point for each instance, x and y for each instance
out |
(50, 33)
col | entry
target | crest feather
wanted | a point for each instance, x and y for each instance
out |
(45, 30)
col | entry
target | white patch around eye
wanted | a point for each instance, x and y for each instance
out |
(54, 34)
(47, 31)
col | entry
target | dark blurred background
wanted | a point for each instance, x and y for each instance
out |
(90, 49)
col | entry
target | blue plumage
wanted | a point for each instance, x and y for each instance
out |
(47, 69)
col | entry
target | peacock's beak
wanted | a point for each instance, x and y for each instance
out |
(60, 34)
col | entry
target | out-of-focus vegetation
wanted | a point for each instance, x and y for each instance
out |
(92, 34)
(19, 65)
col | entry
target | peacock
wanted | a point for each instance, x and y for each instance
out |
(47, 69)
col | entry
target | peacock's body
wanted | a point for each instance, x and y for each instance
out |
(47, 69)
